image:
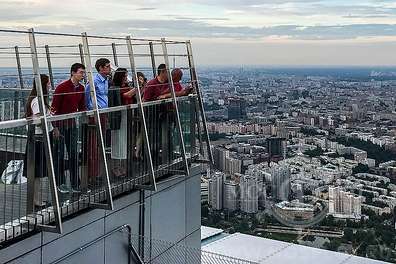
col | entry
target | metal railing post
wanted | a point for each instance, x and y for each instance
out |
(88, 66)
(20, 77)
(51, 75)
(152, 56)
(114, 49)
(178, 123)
(141, 110)
(81, 50)
(47, 143)
(18, 61)
(194, 80)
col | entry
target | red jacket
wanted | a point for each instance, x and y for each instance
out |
(68, 99)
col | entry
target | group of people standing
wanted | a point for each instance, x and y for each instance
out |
(70, 96)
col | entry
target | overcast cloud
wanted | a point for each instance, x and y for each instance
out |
(312, 22)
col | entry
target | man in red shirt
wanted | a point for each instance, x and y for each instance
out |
(155, 87)
(69, 97)
(177, 75)
(155, 115)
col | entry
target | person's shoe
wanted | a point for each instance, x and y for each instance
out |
(65, 203)
(75, 190)
(63, 189)
(39, 206)
(85, 192)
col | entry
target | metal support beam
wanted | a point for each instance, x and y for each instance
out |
(178, 122)
(47, 144)
(51, 75)
(141, 111)
(88, 66)
(194, 80)
(142, 198)
(193, 122)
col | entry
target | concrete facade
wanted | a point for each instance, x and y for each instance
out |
(172, 215)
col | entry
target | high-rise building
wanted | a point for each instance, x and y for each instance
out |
(344, 203)
(233, 166)
(355, 111)
(249, 194)
(220, 156)
(280, 182)
(230, 195)
(277, 148)
(262, 196)
(236, 108)
(216, 191)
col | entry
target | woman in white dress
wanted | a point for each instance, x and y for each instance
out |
(119, 136)
(36, 139)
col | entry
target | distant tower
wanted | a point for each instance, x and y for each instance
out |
(276, 148)
(280, 182)
(236, 108)
(345, 203)
(249, 194)
(355, 112)
(216, 191)
(230, 196)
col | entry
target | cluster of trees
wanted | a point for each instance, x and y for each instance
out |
(311, 131)
(217, 136)
(361, 168)
(211, 107)
(373, 151)
(314, 152)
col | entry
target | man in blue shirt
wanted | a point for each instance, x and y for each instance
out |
(95, 161)
(101, 82)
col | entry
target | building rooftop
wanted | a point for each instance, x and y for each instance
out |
(207, 232)
(262, 250)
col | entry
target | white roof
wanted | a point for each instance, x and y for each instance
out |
(207, 232)
(262, 250)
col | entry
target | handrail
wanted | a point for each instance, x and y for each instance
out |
(90, 36)
(37, 120)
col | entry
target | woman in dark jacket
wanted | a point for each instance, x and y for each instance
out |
(123, 95)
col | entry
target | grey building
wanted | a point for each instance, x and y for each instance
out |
(249, 194)
(231, 198)
(280, 183)
(216, 191)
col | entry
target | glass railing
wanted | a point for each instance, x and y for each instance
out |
(79, 170)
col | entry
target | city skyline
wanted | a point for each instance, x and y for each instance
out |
(293, 32)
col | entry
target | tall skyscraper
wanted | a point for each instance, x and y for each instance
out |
(280, 179)
(277, 148)
(344, 203)
(355, 112)
(230, 195)
(249, 194)
(236, 108)
(220, 156)
(216, 191)
(262, 196)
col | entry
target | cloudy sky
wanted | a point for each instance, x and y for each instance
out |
(270, 32)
